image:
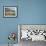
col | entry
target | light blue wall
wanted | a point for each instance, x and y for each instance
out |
(7, 25)
(32, 11)
(29, 12)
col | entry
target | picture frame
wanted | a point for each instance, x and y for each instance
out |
(10, 11)
(40, 29)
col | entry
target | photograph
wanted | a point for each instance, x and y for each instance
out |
(32, 32)
(10, 11)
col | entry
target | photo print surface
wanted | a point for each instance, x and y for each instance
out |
(10, 11)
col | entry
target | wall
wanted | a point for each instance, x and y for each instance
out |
(29, 12)
(32, 11)
(7, 25)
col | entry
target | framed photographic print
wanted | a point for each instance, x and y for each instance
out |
(10, 11)
(33, 32)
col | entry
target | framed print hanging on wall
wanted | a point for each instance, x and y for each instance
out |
(10, 11)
